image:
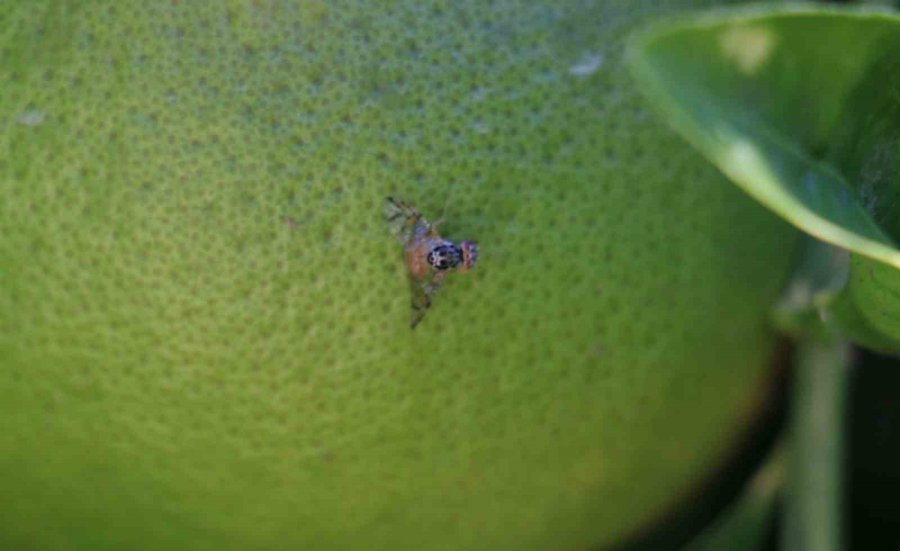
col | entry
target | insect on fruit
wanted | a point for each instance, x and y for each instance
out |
(429, 257)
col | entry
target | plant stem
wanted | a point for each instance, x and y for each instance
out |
(813, 520)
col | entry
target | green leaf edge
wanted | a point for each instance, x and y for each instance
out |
(769, 194)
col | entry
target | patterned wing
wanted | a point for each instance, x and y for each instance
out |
(404, 221)
(422, 294)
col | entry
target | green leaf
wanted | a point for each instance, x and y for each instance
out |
(800, 107)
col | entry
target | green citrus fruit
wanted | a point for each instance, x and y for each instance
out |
(204, 337)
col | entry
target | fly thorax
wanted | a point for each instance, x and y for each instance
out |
(443, 256)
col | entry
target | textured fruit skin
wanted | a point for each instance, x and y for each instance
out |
(204, 337)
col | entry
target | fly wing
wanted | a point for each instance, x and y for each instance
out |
(413, 230)
(404, 221)
(423, 292)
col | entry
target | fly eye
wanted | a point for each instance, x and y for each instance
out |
(468, 253)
